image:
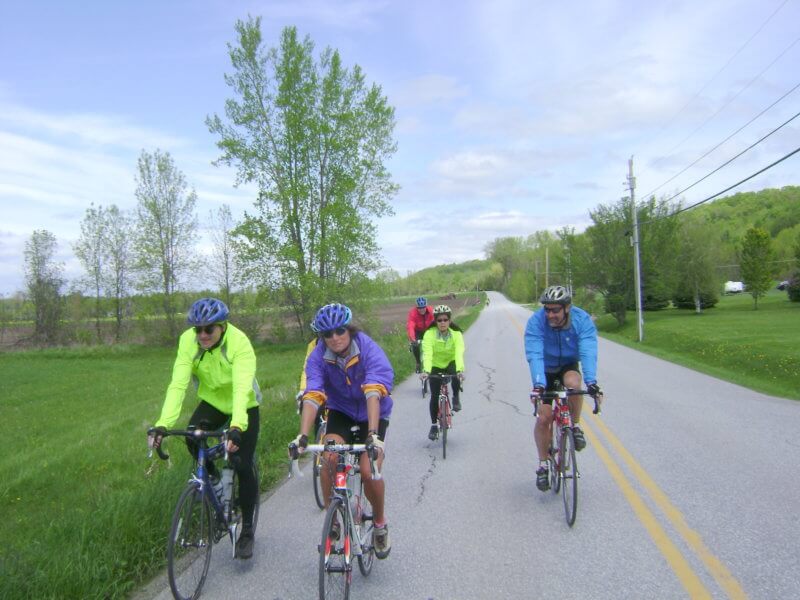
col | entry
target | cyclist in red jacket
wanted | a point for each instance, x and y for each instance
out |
(419, 319)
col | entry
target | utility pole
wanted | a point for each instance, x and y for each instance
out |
(637, 267)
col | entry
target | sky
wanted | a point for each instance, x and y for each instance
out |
(512, 116)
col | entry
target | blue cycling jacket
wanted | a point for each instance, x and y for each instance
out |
(549, 349)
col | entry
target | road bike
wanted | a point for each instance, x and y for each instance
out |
(563, 465)
(348, 528)
(445, 413)
(203, 514)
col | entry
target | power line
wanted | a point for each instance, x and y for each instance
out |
(726, 163)
(725, 66)
(726, 104)
(727, 189)
(738, 183)
(682, 171)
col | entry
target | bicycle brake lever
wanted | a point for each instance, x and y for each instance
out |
(294, 469)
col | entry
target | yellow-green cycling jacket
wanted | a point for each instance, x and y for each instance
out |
(224, 376)
(438, 351)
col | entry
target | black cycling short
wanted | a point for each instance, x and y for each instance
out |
(340, 424)
(557, 377)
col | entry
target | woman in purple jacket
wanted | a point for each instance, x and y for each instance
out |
(351, 375)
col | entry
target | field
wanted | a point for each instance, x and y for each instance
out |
(758, 349)
(85, 512)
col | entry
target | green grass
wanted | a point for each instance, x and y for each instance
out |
(85, 513)
(757, 349)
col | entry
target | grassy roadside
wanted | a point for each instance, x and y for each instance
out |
(85, 512)
(757, 349)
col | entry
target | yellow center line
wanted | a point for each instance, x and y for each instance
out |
(717, 569)
(676, 561)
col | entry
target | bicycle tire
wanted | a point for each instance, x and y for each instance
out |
(191, 538)
(335, 566)
(555, 459)
(443, 423)
(365, 531)
(316, 466)
(569, 471)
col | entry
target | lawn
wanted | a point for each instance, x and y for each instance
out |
(759, 349)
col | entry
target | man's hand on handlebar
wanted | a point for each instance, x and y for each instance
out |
(155, 436)
(374, 445)
(297, 446)
(423, 376)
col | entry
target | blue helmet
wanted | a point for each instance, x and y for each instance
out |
(422, 302)
(330, 317)
(207, 311)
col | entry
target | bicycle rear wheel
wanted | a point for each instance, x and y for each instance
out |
(335, 566)
(189, 545)
(363, 515)
(443, 402)
(316, 466)
(569, 470)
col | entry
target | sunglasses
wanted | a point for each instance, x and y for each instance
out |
(445, 320)
(207, 329)
(338, 331)
(555, 310)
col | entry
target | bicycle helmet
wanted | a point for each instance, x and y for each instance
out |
(207, 311)
(422, 302)
(442, 309)
(330, 317)
(314, 327)
(556, 294)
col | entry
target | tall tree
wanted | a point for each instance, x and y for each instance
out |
(165, 229)
(221, 262)
(755, 263)
(44, 279)
(91, 253)
(697, 255)
(314, 137)
(118, 247)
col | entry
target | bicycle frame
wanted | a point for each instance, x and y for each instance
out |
(445, 414)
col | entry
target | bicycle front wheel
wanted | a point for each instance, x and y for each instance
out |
(334, 554)
(189, 546)
(443, 423)
(569, 471)
(555, 460)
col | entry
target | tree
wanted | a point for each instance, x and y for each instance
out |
(314, 137)
(91, 254)
(221, 263)
(118, 248)
(165, 229)
(754, 263)
(697, 285)
(44, 278)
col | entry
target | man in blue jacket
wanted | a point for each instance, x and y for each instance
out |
(352, 376)
(558, 337)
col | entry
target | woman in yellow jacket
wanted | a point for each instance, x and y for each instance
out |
(442, 352)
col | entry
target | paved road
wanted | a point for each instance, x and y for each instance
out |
(689, 487)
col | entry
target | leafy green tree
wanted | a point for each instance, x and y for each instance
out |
(118, 247)
(44, 279)
(165, 229)
(755, 261)
(698, 285)
(314, 137)
(222, 261)
(91, 253)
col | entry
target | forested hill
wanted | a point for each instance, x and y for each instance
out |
(775, 210)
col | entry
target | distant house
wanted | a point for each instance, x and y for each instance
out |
(734, 287)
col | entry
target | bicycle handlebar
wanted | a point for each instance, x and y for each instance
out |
(294, 469)
(598, 399)
(447, 378)
(199, 434)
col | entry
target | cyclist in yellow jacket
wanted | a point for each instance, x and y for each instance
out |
(219, 360)
(442, 352)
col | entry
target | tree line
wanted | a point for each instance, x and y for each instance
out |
(685, 256)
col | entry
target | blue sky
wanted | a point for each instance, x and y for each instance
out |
(512, 115)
